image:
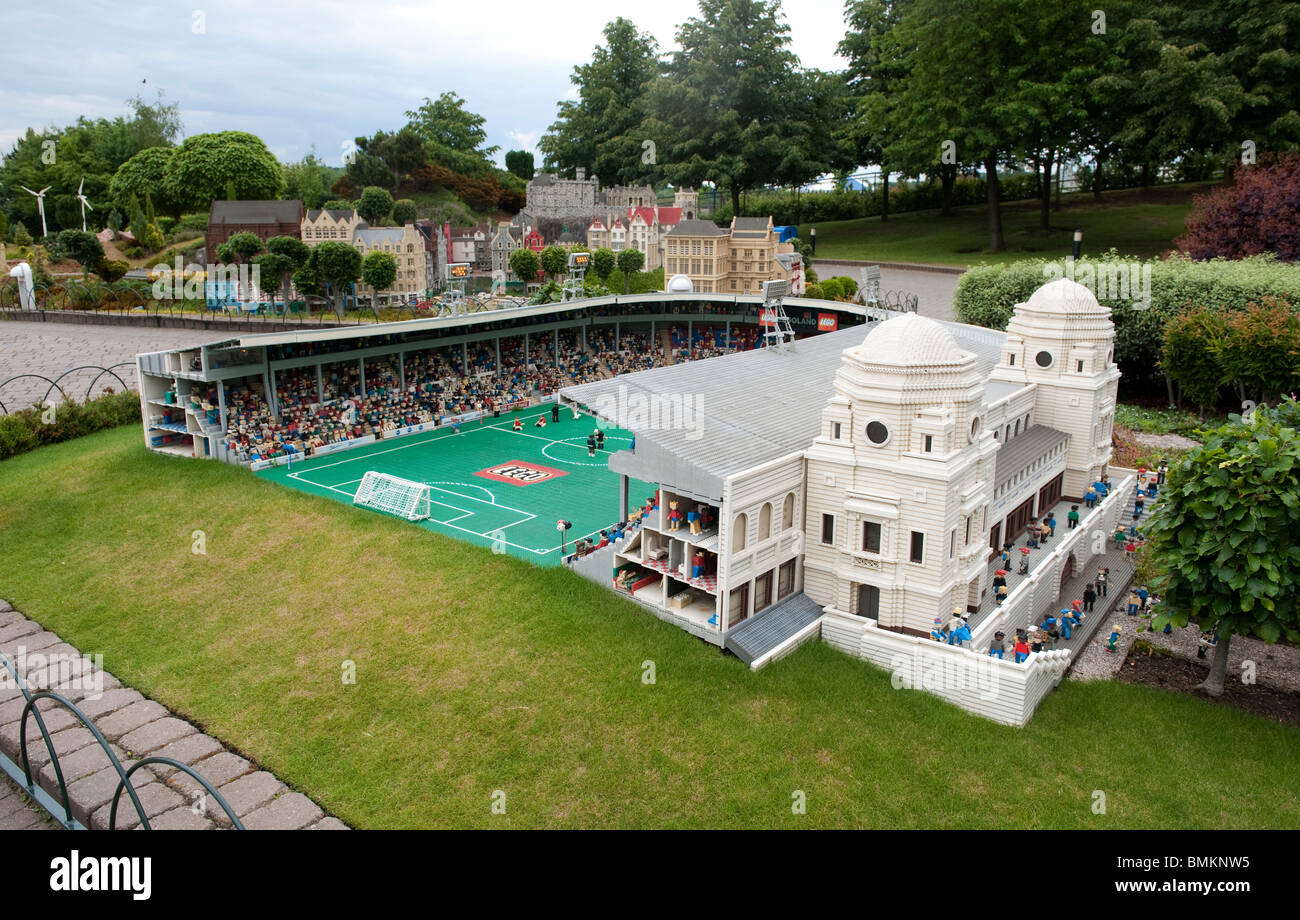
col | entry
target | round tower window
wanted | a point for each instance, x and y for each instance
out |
(877, 433)
(1044, 358)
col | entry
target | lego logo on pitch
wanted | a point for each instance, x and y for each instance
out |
(518, 473)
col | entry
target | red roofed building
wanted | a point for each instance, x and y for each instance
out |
(642, 230)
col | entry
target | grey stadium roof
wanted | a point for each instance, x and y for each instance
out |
(751, 407)
(1018, 453)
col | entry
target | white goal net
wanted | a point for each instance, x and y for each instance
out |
(393, 495)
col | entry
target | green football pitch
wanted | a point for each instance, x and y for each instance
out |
(490, 484)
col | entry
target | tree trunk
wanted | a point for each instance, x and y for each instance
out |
(884, 194)
(1045, 192)
(1098, 183)
(947, 179)
(1169, 385)
(1213, 684)
(735, 201)
(994, 203)
(1060, 163)
(1147, 175)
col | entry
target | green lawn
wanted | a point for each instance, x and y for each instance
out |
(1136, 222)
(481, 672)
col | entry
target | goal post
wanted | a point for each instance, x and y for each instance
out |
(393, 495)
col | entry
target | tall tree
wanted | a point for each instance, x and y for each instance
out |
(374, 205)
(723, 107)
(379, 270)
(452, 135)
(603, 130)
(520, 163)
(203, 166)
(335, 263)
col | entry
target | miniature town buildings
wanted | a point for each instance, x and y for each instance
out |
(333, 224)
(406, 244)
(263, 218)
(736, 260)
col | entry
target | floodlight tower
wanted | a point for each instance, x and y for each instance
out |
(85, 205)
(456, 275)
(778, 333)
(573, 290)
(40, 205)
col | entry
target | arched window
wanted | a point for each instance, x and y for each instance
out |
(1017, 429)
(738, 528)
(765, 521)
(787, 512)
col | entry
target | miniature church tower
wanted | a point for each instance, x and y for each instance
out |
(1063, 342)
(900, 480)
(689, 201)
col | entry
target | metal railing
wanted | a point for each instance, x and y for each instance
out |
(46, 801)
(55, 383)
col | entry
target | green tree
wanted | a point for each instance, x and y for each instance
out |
(205, 164)
(284, 256)
(723, 105)
(143, 174)
(603, 129)
(520, 163)
(337, 264)
(308, 181)
(630, 262)
(245, 245)
(555, 260)
(379, 270)
(404, 212)
(366, 170)
(1191, 355)
(82, 247)
(1223, 539)
(374, 205)
(525, 264)
(453, 136)
(112, 269)
(603, 263)
(20, 235)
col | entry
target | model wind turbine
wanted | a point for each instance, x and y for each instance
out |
(40, 204)
(84, 203)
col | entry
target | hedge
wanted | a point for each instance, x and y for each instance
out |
(26, 430)
(987, 295)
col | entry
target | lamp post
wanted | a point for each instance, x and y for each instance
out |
(1078, 243)
(812, 239)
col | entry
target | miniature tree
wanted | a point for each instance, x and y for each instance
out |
(82, 247)
(337, 264)
(20, 236)
(555, 260)
(603, 263)
(284, 255)
(379, 270)
(629, 263)
(112, 269)
(375, 204)
(403, 212)
(1223, 539)
(525, 264)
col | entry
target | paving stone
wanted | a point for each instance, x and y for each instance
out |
(151, 737)
(328, 824)
(93, 792)
(219, 769)
(10, 617)
(17, 631)
(111, 701)
(248, 793)
(25, 820)
(181, 819)
(5, 606)
(37, 642)
(56, 720)
(155, 798)
(65, 742)
(127, 720)
(88, 760)
(290, 812)
(11, 801)
(190, 750)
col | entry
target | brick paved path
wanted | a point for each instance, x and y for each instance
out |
(19, 813)
(49, 349)
(135, 728)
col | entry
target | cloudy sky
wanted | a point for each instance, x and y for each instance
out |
(317, 74)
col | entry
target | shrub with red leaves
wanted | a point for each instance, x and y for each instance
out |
(1260, 213)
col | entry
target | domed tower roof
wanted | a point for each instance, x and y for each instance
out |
(1064, 297)
(910, 340)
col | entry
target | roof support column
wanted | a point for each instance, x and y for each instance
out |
(320, 384)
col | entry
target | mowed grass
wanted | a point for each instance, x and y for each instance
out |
(478, 673)
(1141, 223)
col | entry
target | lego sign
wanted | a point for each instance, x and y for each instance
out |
(827, 322)
(519, 473)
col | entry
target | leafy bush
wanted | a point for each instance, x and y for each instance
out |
(166, 225)
(193, 222)
(112, 269)
(1260, 213)
(133, 252)
(987, 295)
(847, 285)
(814, 291)
(832, 289)
(184, 234)
(26, 430)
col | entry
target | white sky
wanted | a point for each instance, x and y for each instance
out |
(318, 74)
